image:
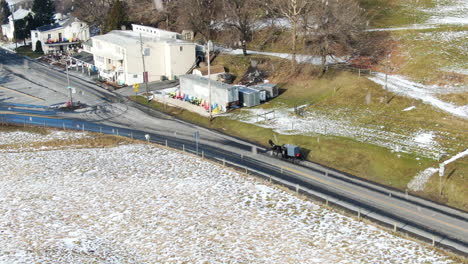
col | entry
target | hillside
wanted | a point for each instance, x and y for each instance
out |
(388, 127)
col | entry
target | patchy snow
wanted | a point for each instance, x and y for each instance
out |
(143, 204)
(411, 27)
(409, 108)
(315, 122)
(426, 93)
(300, 58)
(424, 138)
(455, 13)
(18, 137)
(419, 181)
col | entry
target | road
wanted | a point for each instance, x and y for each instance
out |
(23, 81)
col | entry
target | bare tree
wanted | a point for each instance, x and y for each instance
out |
(241, 15)
(336, 27)
(292, 10)
(93, 12)
(200, 15)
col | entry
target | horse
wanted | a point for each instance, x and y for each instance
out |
(276, 149)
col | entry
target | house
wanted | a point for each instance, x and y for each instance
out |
(18, 4)
(8, 30)
(120, 55)
(61, 36)
(215, 72)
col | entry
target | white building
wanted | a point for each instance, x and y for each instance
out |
(61, 36)
(17, 4)
(8, 30)
(118, 55)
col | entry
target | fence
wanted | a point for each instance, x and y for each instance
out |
(273, 173)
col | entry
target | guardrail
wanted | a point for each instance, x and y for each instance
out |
(272, 173)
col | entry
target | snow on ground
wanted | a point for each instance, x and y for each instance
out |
(300, 58)
(426, 93)
(143, 204)
(452, 12)
(419, 181)
(409, 108)
(455, 12)
(410, 27)
(313, 122)
(18, 137)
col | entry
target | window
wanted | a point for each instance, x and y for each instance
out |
(109, 61)
(49, 36)
(135, 76)
(35, 34)
(100, 59)
(181, 48)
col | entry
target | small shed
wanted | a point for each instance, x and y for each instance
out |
(270, 89)
(222, 95)
(249, 97)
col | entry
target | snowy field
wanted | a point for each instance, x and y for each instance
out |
(18, 137)
(143, 204)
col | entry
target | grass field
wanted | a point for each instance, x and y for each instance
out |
(27, 51)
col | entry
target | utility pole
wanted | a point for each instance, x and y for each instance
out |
(68, 82)
(145, 80)
(14, 31)
(208, 48)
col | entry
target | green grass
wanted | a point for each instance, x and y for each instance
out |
(427, 55)
(27, 51)
(95, 141)
(395, 13)
(36, 130)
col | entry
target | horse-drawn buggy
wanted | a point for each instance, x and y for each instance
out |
(286, 151)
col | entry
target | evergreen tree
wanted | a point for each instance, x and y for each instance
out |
(116, 18)
(4, 12)
(44, 11)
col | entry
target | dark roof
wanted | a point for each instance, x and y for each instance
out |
(48, 27)
(84, 56)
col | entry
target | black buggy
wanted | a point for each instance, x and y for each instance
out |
(286, 151)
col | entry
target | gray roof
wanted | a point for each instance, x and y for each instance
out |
(20, 14)
(48, 27)
(204, 80)
(84, 56)
(247, 90)
(125, 38)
